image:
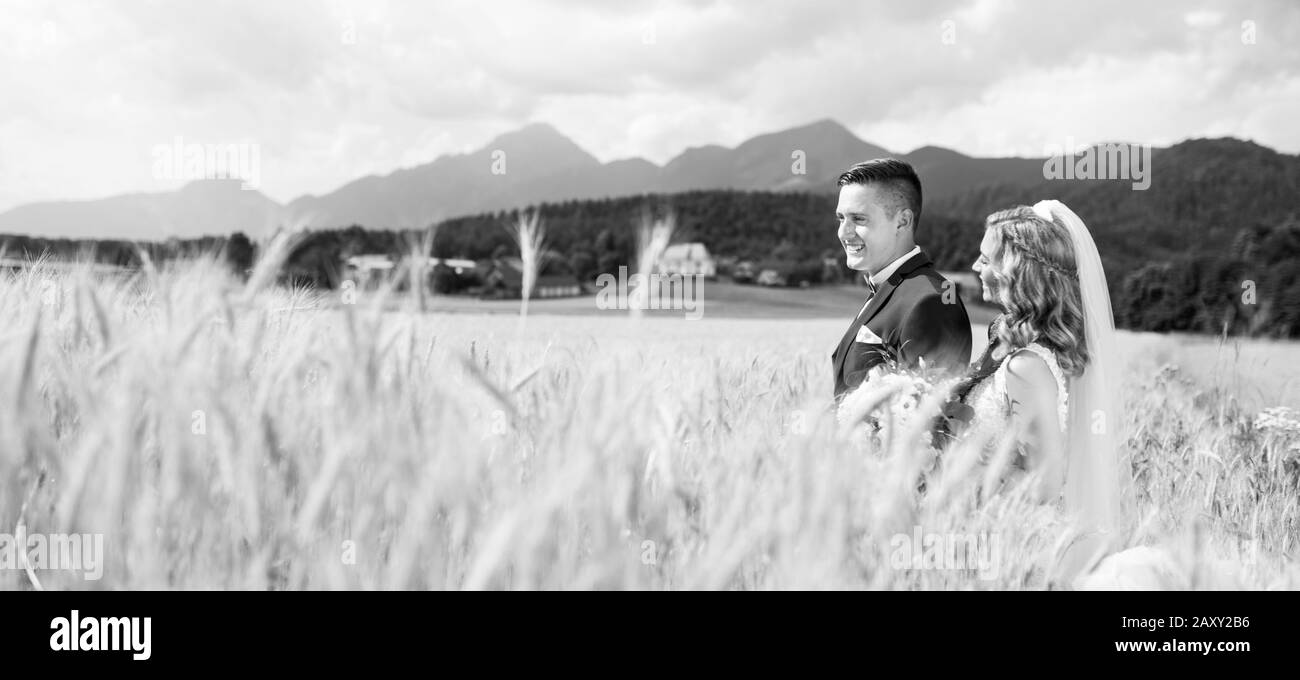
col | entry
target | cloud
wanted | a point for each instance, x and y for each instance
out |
(332, 91)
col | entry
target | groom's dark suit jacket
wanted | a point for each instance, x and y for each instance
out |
(907, 319)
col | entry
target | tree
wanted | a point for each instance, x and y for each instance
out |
(240, 252)
(583, 264)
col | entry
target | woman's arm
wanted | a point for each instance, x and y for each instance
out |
(1032, 390)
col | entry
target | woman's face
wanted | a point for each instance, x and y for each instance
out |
(983, 266)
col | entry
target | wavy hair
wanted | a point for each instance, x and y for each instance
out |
(1037, 281)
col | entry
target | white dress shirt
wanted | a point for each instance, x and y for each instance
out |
(883, 275)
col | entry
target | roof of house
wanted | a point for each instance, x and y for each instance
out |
(686, 251)
(450, 262)
(370, 262)
(511, 270)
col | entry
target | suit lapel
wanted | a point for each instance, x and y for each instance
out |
(883, 293)
(842, 351)
(882, 296)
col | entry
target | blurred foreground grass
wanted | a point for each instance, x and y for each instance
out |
(229, 435)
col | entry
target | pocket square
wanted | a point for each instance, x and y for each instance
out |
(865, 335)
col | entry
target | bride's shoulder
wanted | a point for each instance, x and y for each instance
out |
(1036, 366)
(1034, 374)
(1041, 352)
(1031, 365)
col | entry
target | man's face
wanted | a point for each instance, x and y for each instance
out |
(983, 266)
(867, 232)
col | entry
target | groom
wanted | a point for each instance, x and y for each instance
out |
(912, 314)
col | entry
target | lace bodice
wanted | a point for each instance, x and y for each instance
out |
(991, 404)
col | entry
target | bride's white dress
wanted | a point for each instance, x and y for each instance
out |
(991, 404)
(1135, 568)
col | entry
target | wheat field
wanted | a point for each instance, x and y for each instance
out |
(224, 434)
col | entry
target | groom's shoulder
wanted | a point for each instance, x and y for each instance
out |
(923, 279)
(924, 284)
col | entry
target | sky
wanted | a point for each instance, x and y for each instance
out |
(327, 92)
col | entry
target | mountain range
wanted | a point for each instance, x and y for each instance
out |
(530, 165)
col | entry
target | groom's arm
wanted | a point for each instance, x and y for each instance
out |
(862, 357)
(937, 331)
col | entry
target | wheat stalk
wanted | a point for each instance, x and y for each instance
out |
(530, 236)
(653, 236)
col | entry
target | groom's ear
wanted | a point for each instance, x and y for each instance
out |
(904, 217)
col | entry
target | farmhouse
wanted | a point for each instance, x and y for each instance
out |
(368, 270)
(459, 265)
(504, 278)
(687, 259)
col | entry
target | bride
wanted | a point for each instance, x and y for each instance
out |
(1051, 373)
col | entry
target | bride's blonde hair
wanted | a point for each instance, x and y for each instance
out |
(1038, 286)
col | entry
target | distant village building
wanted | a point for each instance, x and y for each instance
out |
(504, 278)
(687, 259)
(368, 270)
(744, 272)
(500, 277)
(771, 277)
(460, 266)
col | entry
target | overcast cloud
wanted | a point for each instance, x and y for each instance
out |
(331, 91)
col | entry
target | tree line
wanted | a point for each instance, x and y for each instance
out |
(1213, 246)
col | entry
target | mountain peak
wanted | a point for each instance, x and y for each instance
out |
(212, 187)
(541, 141)
(826, 125)
(934, 154)
(825, 129)
(531, 133)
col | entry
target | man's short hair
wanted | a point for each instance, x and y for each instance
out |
(901, 186)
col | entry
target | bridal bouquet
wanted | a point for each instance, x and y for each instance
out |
(896, 407)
